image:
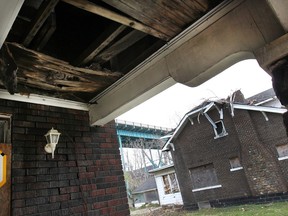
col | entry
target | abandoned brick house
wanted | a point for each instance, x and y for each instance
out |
(229, 153)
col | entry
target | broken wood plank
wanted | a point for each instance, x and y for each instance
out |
(99, 44)
(44, 11)
(137, 12)
(46, 73)
(93, 8)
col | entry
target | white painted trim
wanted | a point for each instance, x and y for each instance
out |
(260, 108)
(235, 169)
(283, 158)
(9, 10)
(44, 100)
(207, 188)
(8, 116)
(163, 168)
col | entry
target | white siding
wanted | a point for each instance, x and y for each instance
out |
(167, 199)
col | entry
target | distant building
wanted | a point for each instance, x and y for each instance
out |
(230, 152)
(146, 193)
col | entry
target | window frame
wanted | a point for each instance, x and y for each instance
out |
(5, 128)
(282, 157)
(171, 186)
(223, 133)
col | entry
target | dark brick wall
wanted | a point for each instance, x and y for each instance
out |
(271, 133)
(84, 178)
(260, 165)
(196, 146)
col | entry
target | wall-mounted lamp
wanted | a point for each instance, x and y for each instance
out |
(52, 138)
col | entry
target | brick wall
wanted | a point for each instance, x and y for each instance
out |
(84, 178)
(260, 165)
(271, 133)
(196, 146)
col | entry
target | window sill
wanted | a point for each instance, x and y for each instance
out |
(235, 169)
(220, 135)
(207, 188)
(283, 158)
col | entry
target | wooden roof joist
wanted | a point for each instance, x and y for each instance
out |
(93, 8)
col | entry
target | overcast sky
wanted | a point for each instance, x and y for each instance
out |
(168, 107)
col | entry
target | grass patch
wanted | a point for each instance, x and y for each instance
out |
(271, 209)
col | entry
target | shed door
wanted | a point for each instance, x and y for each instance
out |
(5, 179)
(5, 166)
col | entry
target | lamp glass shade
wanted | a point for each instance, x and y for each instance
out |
(52, 136)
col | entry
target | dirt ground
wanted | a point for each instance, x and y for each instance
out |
(156, 211)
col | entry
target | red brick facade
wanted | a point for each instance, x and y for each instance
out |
(250, 138)
(84, 178)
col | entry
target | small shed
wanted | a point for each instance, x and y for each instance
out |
(146, 193)
(167, 185)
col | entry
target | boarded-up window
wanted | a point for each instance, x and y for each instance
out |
(203, 176)
(170, 183)
(234, 162)
(282, 150)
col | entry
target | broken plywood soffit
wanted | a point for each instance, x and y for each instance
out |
(41, 71)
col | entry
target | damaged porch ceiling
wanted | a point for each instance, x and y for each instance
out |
(75, 49)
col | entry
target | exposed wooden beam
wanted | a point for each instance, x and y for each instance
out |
(93, 8)
(144, 11)
(45, 33)
(125, 42)
(44, 11)
(99, 44)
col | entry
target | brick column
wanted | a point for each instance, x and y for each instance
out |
(260, 166)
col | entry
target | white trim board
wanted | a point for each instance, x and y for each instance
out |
(44, 100)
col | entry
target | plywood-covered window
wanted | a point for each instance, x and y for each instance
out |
(282, 151)
(204, 178)
(170, 183)
(235, 164)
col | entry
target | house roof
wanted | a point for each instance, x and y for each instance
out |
(207, 105)
(161, 168)
(148, 185)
